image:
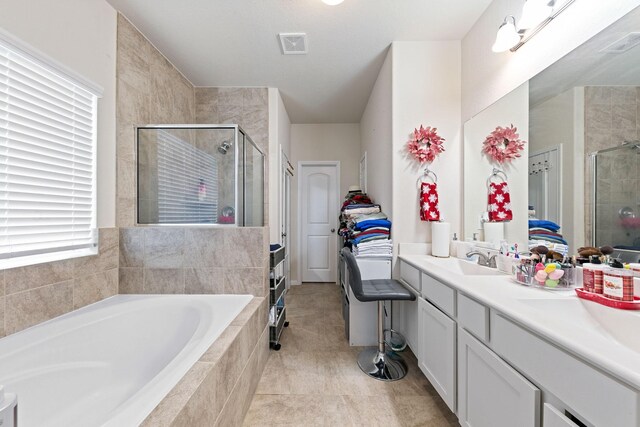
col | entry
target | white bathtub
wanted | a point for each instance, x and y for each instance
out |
(111, 363)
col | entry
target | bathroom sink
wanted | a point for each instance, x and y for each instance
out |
(466, 268)
(618, 325)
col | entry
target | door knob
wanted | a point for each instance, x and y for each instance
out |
(333, 230)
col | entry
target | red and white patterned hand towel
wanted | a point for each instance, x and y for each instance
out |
(499, 202)
(429, 206)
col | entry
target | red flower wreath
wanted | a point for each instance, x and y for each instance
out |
(503, 144)
(425, 144)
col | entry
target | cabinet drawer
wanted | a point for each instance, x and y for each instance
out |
(410, 275)
(589, 393)
(474, 317)
(551, 417)
(439, 294)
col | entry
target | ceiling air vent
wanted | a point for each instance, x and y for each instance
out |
(293, 43)
(624, 44)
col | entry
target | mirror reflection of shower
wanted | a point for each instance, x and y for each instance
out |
(224, 147)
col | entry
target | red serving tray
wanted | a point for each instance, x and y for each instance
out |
(601, 299)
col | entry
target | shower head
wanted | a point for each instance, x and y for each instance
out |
(224, 147)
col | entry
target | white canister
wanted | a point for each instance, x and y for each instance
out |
(440, 239)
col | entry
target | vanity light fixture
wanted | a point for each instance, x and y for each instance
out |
(536, 14)
(332, 2)
(507, 36)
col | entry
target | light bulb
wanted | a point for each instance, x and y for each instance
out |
(534, 12)
(332, 2)
(507, 36)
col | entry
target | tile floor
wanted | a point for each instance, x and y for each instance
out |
(314, 380)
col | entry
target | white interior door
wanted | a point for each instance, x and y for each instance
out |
(318, 203)
(285, 216)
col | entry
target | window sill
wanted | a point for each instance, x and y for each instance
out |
(25, 261)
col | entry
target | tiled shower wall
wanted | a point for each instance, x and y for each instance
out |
(611, 117)
(37, 293)
(181, 259)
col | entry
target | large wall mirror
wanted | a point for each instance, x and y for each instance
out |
(581, 168)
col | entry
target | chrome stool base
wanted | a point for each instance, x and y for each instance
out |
(386, 366)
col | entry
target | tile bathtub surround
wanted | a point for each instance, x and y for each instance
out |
(217, 389)
(314, 380)
(33, 294)
(149, 89)
(194, 260)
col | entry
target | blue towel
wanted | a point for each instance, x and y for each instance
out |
(548, 238)
(370, 237)
(373, 223)
(549, 225)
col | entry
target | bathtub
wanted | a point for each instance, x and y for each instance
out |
(111, 363)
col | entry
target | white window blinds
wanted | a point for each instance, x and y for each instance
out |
(47, 161)
(187, 182)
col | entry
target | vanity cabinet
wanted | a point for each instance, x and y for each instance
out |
(491, 393)
(437, 350)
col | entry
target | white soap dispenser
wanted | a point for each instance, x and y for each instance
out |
(8, 409)
(453, 247)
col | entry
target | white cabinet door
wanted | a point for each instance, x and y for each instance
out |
(490, 392)
(412, 324)
(551, 417)
(437, 351)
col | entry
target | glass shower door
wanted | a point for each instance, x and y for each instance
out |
(616, 196)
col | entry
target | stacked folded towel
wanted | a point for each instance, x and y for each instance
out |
(542, 230)
(374, 249)
(365, 227)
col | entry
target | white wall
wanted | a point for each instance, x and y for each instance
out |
(557, 121)
(279, 141)
(426, 90)
(510, 109)
(376, 135)
(322, 142)
(81, 35)
(487, 76)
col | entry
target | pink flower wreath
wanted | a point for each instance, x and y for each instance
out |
(503, 144)
(425, 144)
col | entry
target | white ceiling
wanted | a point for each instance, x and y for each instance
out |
(234, 43)
(588, 66)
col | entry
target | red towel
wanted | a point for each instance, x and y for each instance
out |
(499, 202)
(429, 206)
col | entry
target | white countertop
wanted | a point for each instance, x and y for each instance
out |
(591, 340)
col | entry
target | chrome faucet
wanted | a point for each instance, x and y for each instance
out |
(484, 260)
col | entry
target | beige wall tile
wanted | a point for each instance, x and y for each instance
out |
(106, 259)
(244, 246)
(33, 276)
(204, 280)
(244, 281)
(34, 306)
(204, 247)
(130, 280)
(163, 247)
(170, 407)
(131, 247)
(231, 96)
(258, 96)
(2, 310)
(163, 281)
(90, 289)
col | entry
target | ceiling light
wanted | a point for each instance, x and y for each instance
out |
(507, 36)
(332, 2)
(534, 12)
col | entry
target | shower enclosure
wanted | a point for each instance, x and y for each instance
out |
(199, 174)
(615, 213)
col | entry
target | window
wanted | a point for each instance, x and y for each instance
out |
(47, 160)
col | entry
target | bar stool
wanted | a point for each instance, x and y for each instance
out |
(377, 362)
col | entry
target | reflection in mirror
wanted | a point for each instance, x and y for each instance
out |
(512, 109)
(584, 167)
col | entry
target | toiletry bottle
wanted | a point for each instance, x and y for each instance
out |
(618, 282)
(594, 282)
(453, 247)
(202, 190)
